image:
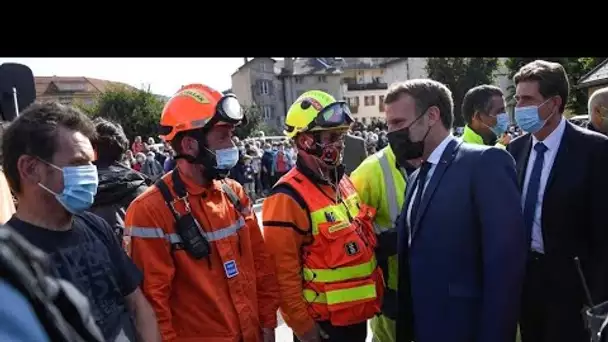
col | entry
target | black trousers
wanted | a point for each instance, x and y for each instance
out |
(351, 333)
(552, 302)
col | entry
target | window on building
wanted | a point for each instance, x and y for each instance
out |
(263, 66)
(65, 100)
(267, 112)
(369, 100)
(265, 87)
(381, 103)
(322, 79)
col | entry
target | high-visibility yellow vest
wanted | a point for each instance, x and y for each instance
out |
(381, 185)
(469, 136)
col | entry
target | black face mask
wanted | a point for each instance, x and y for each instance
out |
(402, 145)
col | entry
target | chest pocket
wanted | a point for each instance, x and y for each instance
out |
(347, 242)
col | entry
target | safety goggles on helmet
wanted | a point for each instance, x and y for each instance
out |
(228, 110)
(335, 115)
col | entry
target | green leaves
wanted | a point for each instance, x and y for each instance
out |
(137, 110)
(460, 75)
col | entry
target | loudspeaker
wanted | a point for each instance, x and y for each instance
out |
(20, 78)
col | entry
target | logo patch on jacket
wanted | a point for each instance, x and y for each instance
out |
(351, 248)
(329, 216)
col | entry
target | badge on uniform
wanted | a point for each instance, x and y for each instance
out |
(351, 248)
(329, 216)
(231, 269)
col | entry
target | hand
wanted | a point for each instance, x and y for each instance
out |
(316, 334)
(268, 335)
(505, 139)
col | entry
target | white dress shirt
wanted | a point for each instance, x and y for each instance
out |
(552, 142)
(433, 159)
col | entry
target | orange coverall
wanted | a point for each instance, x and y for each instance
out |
(196, 300)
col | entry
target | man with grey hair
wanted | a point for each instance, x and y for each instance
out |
(461, 242)
(598, 111)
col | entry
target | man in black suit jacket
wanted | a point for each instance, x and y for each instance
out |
(354, 153)
(563, 175)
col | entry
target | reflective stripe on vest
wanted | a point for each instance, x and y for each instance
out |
(340, 273)
(337, 210)
(389, 184)
(158, 233)
(341, 296)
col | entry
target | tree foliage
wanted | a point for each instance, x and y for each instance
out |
(252, 124)
(576, 67)
(460, 75)
(255, 123)
(137, 110)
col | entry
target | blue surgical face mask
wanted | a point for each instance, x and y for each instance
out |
(79, 187)
(227, 158)
(528, 118)
(502, 124)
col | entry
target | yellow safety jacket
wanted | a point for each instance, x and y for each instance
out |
(381, 185)
(469, 136)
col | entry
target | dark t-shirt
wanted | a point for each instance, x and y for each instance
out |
(90, 256)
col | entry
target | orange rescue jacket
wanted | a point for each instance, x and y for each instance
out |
(339, 279)
(197, 300)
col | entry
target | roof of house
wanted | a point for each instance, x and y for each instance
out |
(74, 84)
(249, 63)
(597, 76)
(389, 61)
(310, 66)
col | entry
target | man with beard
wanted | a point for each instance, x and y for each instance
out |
(483, 109)
(118, 185)
(319, 231)
(206, 269)
(462, 247)
(48, 163)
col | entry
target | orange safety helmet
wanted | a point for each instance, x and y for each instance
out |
(193, 106)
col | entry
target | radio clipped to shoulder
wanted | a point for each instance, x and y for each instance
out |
(187, 227)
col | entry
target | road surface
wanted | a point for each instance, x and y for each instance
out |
(283, 333)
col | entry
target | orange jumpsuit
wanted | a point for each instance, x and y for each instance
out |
(226, 297)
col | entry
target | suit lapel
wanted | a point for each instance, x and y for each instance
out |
(446, 159)
(562, 159)
(522, 161)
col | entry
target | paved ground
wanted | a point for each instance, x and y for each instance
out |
(283, 333)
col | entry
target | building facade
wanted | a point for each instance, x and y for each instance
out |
(273, 85)
(71, 90)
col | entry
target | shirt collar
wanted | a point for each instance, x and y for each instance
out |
(438, 151)
(552, 140)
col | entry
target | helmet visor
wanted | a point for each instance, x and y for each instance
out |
(336, 114)
(230, 108)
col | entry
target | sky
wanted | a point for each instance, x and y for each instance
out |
(164, 75)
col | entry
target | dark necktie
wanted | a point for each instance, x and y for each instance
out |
(424, 171)
(533, 188)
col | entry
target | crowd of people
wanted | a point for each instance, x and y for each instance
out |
(432, 237)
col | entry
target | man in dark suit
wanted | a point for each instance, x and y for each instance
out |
(461, 235)
(354, 153)
(563, 175)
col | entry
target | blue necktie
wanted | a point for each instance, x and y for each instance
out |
(533, 188)
(424, 170)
